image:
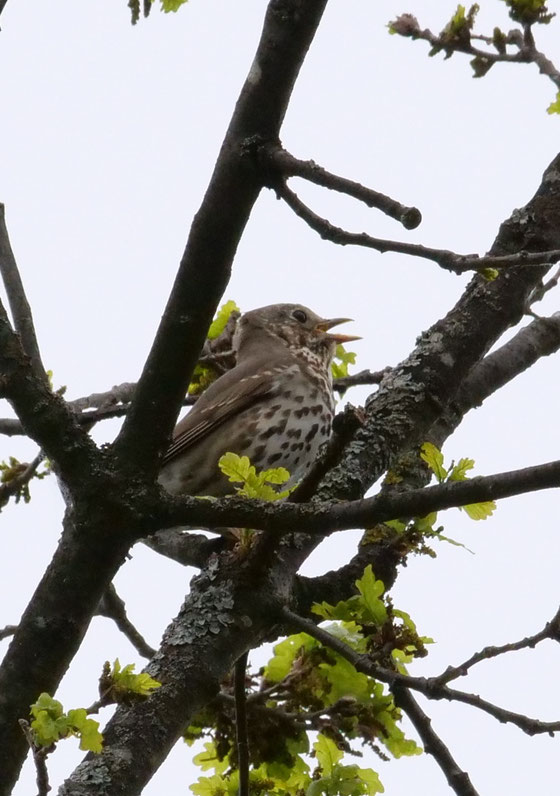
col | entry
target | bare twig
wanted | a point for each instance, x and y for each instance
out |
(113, 607)
(458, 780)
(289, 166)
(551, 631)
(19, 306)
(427, 686)
(448, 260)
(241, 724)
(116, 401)
(39, 758)
(363, 377)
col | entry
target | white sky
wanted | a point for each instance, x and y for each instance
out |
(109, 136)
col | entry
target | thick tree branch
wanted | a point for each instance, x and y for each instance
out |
(458, 780)
(324, 518)
(287, 165)
(204, 271)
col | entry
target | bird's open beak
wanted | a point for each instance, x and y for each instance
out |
(325, 325)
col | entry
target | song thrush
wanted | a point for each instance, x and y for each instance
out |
(275, 406)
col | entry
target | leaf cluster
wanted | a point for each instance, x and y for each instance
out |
(342, 358)
(307, 687)
(252, 484)
(121, 686)
(50, 723)
(12, 470)
(205, 372)
(455, 472)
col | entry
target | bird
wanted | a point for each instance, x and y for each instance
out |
(276, 405)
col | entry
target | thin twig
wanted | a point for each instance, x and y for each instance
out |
(289, 166)
(448, 260)
(39, 758)
(113, 607)
(116, 401)
(427, 686)
(19, 306)
(407, 25)
(241, 724)
(458, 779)
(551, 631)
(363, 377)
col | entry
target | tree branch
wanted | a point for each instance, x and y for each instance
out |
(407, 25)
(287, 165)
(551, 631)
(19, 306)
(113, 607)
(324, 518)
(241, 728)
(448, 260)
(204, 270)
(427, 686)
(458, 780)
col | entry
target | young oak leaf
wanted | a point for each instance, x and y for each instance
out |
(50, 724)
(339, 368)
(434, 459)
(222, 317)
(119, 683)
(239, 470)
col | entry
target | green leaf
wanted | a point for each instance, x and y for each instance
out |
(210, 786)
(222, 316)
(277, 475)
(285, 653)
(209, 759)
(371, 779)
(342, 358)
(460, 470)
(454, 542)
(91, 740)
(488, 273)
(345, 681)
(171, 5)
(328, 754)
(45, 702)
(434, 459)
(554, 107)
(480, 511)
(124, 682)
(528, 12)
(371, 591)
(426, 523)
(239, 470)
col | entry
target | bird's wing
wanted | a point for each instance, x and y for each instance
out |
(217, 406)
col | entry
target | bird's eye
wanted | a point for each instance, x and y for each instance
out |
(299, 315)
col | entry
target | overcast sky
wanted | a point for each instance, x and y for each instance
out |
(109, 136)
